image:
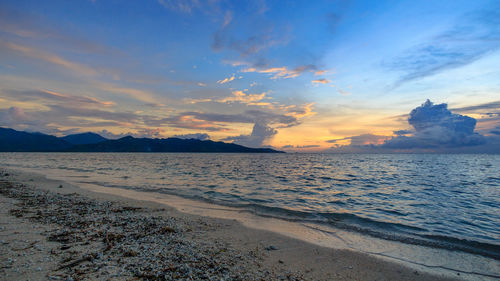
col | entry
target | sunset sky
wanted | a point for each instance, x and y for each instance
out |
(294, 75)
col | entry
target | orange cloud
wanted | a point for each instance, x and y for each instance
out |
(240, 96)
(321, 81)
(226, 80)
(300, 112)
(281, 72)
(277, 72)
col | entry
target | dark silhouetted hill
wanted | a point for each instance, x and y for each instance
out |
(131, 144)
(84, 138)
(17, 141)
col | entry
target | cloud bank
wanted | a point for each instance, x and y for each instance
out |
(435, 126)
(434, 129)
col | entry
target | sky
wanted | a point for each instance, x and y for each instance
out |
(336, 76)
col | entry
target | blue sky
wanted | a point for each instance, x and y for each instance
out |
(297, 75)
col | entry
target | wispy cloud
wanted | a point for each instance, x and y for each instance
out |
(495, 105)
(361, 140)
(63, 116)
(93, 113)
(185, 6)
(138, 94)
(320, 72)
(187, 120)
(242, 97)
(474, 36)
(214, 120)
(74, 67)
(275, 72)
(251, 44)
(22, 24)
(282, 72)
(52, 96)
(237, 96)
(228, 17)
(343, 92)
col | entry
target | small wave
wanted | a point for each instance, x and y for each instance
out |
(392, 212)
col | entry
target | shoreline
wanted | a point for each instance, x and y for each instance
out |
(279, 252)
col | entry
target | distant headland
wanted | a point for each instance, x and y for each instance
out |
(19, 141)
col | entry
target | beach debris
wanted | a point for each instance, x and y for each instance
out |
(271, 248)
(103, 240)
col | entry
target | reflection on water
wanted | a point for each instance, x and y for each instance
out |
(432, 197)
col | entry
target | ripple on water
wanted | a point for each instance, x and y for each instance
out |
(454, 196)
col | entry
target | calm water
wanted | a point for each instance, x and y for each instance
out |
(450, 201)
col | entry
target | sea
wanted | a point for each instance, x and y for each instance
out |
(449, 201)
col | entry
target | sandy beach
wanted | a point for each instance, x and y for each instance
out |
(52, 230)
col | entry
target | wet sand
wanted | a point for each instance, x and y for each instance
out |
(52, 230)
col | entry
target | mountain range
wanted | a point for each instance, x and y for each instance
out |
(20, 141)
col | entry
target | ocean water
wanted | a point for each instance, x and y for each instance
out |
(444, 201)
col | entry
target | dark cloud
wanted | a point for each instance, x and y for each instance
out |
(307, 146)
(429, 115)
(198, 136)
(435, 126)
(402, 132)
(292, 147)
(260, 134)
(474, 36)
(495, 105)
(496, 131)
